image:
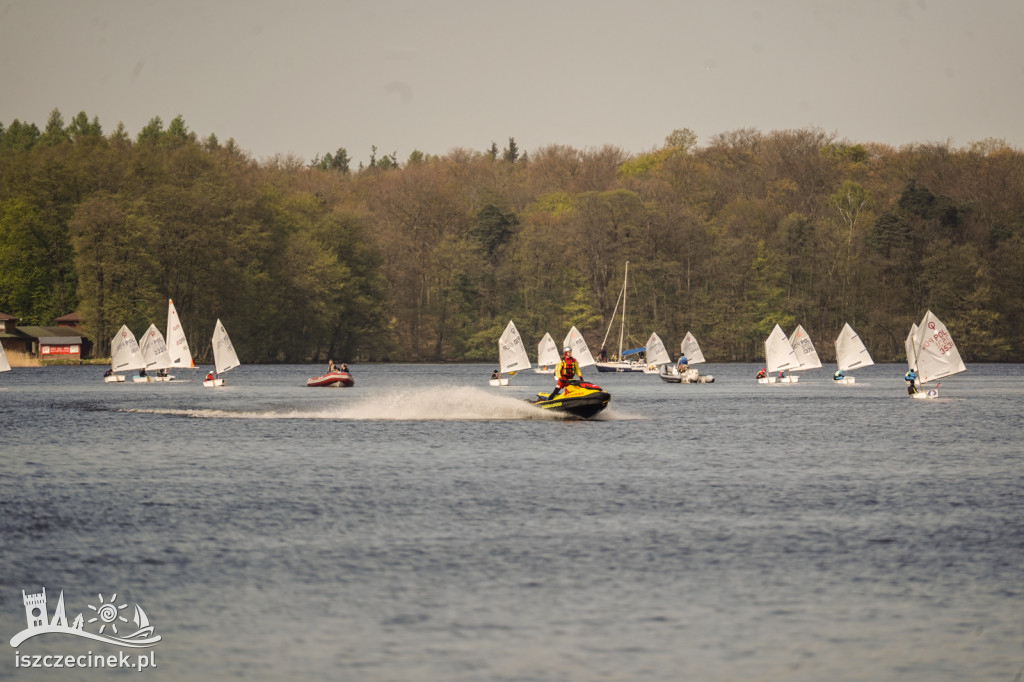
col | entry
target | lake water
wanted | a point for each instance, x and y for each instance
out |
(422, 525)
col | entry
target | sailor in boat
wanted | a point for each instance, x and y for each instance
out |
(762, 374)
(909, 377)
(566, 371)
(344, 367)
(838, 376)
(683, 362)
(209, 376)
(331, 367)
(495, 374)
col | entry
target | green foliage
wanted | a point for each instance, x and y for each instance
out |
(556, 203)
(844, 152)
(152, 131)
(643, 165)
(511, 153)
(55, 133)
(19, 137)
(492, 229)
(917, 201)
(580, 311)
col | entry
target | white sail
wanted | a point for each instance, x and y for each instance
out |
(5, 366)
(574, 339)
(512, 355)
(656, 353)
(908, 343)
(177, 346)
(141, 621)
(124, 351)
(224, 357)
(691, 349)
(154, 349)
(547, 352)
(806, 355)
(937, 356)
(850, 350)
(778, 354)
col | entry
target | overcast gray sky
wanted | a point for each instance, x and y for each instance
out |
(305, 77)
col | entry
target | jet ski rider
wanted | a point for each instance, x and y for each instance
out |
(566, 371)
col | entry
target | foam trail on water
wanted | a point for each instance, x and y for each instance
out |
(451, 402)
(415, 404)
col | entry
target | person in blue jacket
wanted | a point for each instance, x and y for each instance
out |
(910, 378)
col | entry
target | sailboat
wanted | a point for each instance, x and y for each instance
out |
(124, 356)
(691, 349)
(224, 357)
(155, 355)
(574, 339)
(5, 365)
(908, 343)
(655, 354)
(512, 355)
(687, 374)
(779, 356)
(850, 354)
(547, 355)
(142, 623)
(621, 364)
(177, 345)
(935, 355)
(806, 355)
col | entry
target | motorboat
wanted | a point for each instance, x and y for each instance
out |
(331, 379)
(674, 374)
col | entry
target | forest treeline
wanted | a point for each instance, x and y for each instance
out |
(428, 259)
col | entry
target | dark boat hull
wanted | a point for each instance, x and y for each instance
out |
(331, 380)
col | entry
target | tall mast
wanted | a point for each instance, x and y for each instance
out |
(622, 326)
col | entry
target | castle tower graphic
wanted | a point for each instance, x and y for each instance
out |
(35, 608)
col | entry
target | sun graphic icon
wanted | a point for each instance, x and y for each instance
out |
(108, 614)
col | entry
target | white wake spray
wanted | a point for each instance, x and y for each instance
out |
(456, 403)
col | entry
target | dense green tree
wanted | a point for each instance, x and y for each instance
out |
(115, 253)
(511, 153)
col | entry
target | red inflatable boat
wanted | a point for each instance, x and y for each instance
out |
(335, 378)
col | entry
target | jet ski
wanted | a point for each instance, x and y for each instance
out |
(578, 399)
